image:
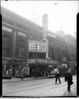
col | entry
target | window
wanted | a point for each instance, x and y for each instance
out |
(21, 49)
(6, 45)
(20, 52)
(32, 55)
(41, 55)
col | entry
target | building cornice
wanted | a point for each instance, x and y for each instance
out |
(20, 20)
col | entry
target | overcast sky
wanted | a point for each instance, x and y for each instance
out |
(61, 14)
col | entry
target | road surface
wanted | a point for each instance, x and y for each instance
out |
(39, 87)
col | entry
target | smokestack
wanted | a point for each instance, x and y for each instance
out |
(45, 26)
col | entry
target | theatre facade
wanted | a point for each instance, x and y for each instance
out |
(24, 50)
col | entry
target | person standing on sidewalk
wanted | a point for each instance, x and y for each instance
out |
(22, 73)
(68, 78)
(57, 77)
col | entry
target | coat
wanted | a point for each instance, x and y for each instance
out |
(57, 75)
(68, 78)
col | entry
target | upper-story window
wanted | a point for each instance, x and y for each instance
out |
(6, 45)
(21, 49)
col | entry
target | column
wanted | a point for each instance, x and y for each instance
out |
(14, 44)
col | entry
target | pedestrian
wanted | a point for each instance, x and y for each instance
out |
(57, 77)
(22, 76)
(68, 79)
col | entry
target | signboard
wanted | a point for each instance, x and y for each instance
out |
(39, 46)
(41, 61)
(7, 29)
(22, 34)
(32, 46)
(38, 61)
(31, 61)
(65, 65)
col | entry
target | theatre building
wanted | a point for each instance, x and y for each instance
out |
(23, 47)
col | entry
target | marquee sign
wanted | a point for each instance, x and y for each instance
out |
(39, 46)
(32, 46)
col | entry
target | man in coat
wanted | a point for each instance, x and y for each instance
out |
(68, 78)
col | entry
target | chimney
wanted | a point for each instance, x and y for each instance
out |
(45, 30)
(45, 26)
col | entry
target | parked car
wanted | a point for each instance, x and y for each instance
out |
(51, 74)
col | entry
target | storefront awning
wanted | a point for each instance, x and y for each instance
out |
(40, 61)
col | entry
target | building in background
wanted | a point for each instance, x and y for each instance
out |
(23, 45)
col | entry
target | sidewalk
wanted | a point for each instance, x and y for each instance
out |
(48, 89)
(60, 91)
(72, 93)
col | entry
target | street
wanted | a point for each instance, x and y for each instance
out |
(39, 87)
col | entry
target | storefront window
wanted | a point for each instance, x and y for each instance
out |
(6, 70)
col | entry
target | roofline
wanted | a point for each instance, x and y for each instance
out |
(23, 21)
(15, 17)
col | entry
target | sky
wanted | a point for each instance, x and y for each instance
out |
(62, 15)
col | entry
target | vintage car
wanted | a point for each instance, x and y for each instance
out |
(51, 74)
